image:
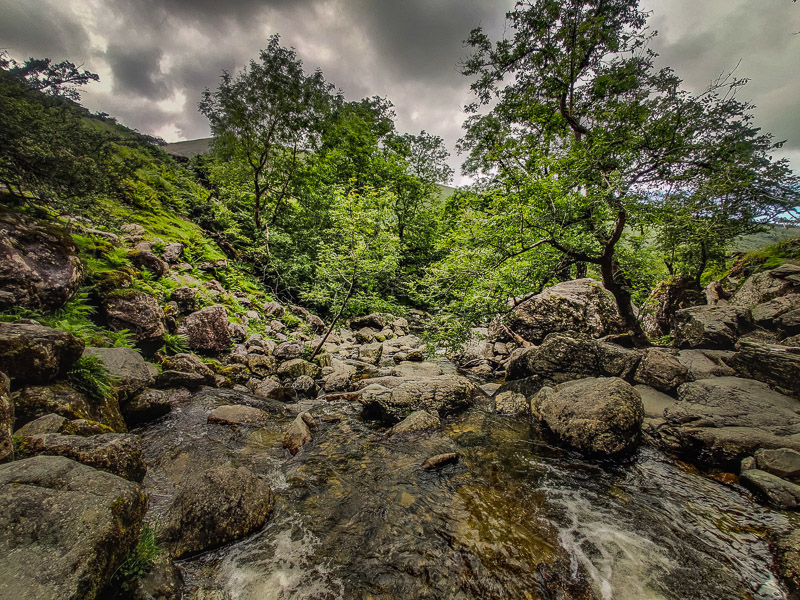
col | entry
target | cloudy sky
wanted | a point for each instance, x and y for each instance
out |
(155, 57)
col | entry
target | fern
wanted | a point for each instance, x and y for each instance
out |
(90, 376)
(175, 343)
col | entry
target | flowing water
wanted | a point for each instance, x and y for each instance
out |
(516, 517)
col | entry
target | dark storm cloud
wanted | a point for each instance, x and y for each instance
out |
(33, 29)
(137, 71)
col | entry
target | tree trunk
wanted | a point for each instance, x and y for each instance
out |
(335, 319)
(614, 282)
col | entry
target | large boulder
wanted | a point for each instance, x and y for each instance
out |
(778, 366)
(763, 287)
(669, 297)
(207, 330)
(660, 369)
(778, 313)
(189, 363)
(593, 415)
(443, 394)
(417, 422)
(117, 453)
(717, 326)
(722, 420)
(376, 321)
(33, 402)
(129, 370)
(581, 305)
(136, 312)
(6, 420)
(217, 506)
(703, 364)
(38, 263)
(66, 528)
(36, 354)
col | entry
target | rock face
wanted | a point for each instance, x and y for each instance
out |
(36, 401)
(443, 394)
(782, 462)
(38, 263)
(716, 326)
(207, 329)
(581, 305)
(594, 415)
(219, 505)
(416, 422)
(117, 453)
(720, 421)
(6, 420)
(36, 354)
(66, 528)
(763, 287)
(776, 365)
(126, 366)
(670, 296)
(137, 312)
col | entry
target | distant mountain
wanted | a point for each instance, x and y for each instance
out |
(189, 148)
(773, 235)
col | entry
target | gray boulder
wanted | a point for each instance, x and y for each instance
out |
(217, 506)
(594, 415)
(371, 353)
(443, 394)
(778, 366)
(39, 266)
(207, 330)
(783, 462)
(417, 422)
(376, 321)
(33, 402)
(289, 350)
(270, 390)
(145, 260)
(173, 253)
(66, 528)
(763, 287)
(36, 354)
(661, 370)
(703, 364)
(716, 326)
(292, 369)
(185, 298)
(137, 312)
(778, 492)
(147, 405)
(234, 414)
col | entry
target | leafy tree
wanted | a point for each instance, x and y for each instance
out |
(268, 116)
(586, 140)
(60, 79)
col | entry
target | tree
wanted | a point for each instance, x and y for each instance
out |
(268, 116)
(59, 80)
(588, 140)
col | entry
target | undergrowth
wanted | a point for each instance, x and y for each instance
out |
(90, 376)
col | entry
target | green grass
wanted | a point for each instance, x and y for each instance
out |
(138, 562)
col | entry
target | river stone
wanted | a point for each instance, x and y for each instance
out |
(594, 415)
(207, 330)
(418, 421)
(661, 370)
(36, 401)
(232, 414)
(703, 364)
(39, 266)
(298, 434)
(341, 378)
(36, 354)
(137, 312)
(371, 353)
(511, 403)
(439, 460)
(783, 462)
(6, 420)
(117, 453)
(66, 528)
(580, 305)
(262, 365)
(710, 326)
(217, 506)
(778, 492)
(180, 379)
(53, 423)
(270, 390)
(444, 394)
(289, 350)
(654, 402)
(778, 366)
(292, 369)
(376, 321)
(129, 370)
(365, 335)
(148, 405)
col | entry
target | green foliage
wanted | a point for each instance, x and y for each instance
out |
(175, 343)
(139, 560)
(90, 376)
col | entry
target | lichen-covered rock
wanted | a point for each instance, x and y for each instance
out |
(581, 305)
(661, 370)
(185, 298)
(39, 267)
(66, 528)
(292, 369)
(763, 287)
(217, 506)
(443, 394)
(289, 350)
(33, 402)
(594, 415)
(117, 453)
(299, 433)
(511, 403)
(371, 353)
(137, 312)
(207, 329)
(417, 422)
(262, 365)
(36, 354)
(306, 386)
(238, 332)
(6, 420)
(173, 253)
(234, 414)
(127, 367)
(778, 366)
(710, 326)
(148, 405)
(189, 363)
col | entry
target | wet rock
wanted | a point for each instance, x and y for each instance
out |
(661, 370)
(581, 305)
(206, 330)
(778, 492)
(439, 461)
(143, 259)
(418, 421)
(786, 549)
(511, 403)
(36, 354)
(763, 287)
(146, 406)
(232, 414)
(443, 394)
(39, 267)
(180, 379)
(703, 364)
(117, 453)
(36, 401)
(654, 402)
(783, 462)
(289, 350)
(292, 369)
(6, 420)
(299, 433)
(126, 366)
(710, 326)
(270, 390)
(137, 312)
(594, 415)
(747, 464)
(163, 581)
(778, 366)
(185, 298)
(53, 423)
(218, 506)
(66, 528)
(306, 386)
(371, 353)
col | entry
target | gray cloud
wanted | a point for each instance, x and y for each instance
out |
(138, 71)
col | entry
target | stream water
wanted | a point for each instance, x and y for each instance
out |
(516, 517)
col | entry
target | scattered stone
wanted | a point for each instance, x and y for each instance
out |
(418, 421)
(376, 321)
(440, 460)
(270, 390)
(778, 492)
(133, 232)
(273, 309)
(365, 335)
(511, 403)
(371, 353)
(146, 260)
(127, 368)
(262, 365)
(173, 253)
(232, 414)
(66, 528)
(218, 506)
(36, 354)
(710, 326)
(306, 385)
(185, 298)
(292, 369)
(237, 332)
(783, 462)
(137, 312)
(415, 355)
(661, 370)
(298, 434)
(189, 363)
(289, 350)
(594, 415)
(207, 329)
